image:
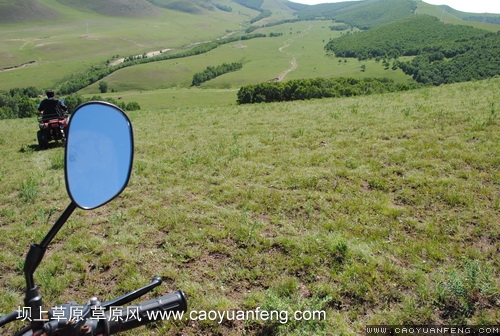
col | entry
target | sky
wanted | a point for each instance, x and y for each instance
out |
(471, 6)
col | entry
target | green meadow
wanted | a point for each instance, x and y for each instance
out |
(381, 209)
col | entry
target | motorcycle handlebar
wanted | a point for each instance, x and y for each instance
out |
(8, 318)
(168, 307)
(162, 308)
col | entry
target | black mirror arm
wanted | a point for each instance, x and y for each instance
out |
(33, 299)
(58, 225)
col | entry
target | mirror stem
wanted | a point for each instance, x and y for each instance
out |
(36, 252)
(33, 299)
(58, 225)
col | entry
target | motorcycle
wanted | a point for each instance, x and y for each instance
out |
(98, 163)
(52, 129)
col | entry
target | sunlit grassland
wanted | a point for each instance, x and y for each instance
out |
(378, 210)
(263, 59)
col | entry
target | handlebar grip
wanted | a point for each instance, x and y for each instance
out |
(9, 318)
(161, 308)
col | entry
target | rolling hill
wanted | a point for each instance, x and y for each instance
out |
(25, 11)
(45, 10)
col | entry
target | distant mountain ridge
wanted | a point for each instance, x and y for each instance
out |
(362, 14)
(16, 11)
(370, 13)
(476, 17)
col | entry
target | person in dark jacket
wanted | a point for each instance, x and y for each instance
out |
(51, 108)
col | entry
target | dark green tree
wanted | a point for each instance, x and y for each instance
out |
(103, 86)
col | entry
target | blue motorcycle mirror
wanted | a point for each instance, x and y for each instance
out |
(99, 154)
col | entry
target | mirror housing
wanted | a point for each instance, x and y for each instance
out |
(99, 154)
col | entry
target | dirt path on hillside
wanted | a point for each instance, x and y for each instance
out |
(293, 61)
(24, 65)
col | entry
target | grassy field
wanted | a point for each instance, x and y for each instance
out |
(376, 210)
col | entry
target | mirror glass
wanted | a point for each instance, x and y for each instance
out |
(99, 154)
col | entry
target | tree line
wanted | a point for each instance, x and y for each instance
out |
(211, 72)
(23, 102)
(303, 89)
(74, 100)
(18, 103)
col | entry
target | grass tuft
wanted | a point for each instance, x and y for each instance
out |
(462, 291)
(28, 190)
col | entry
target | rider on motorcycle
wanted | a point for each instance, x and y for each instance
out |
(51, 108)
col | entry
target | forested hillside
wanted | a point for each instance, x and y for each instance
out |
(465, 60)
(407, 37)
(445, 53)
